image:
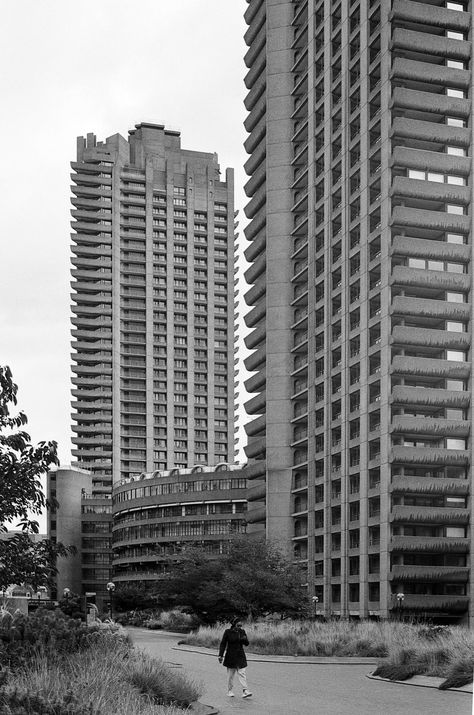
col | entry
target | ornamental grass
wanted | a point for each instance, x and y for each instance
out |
(407, 649)
(104, 675)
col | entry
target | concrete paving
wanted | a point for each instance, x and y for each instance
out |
(298, 688)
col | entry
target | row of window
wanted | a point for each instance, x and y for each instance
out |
(189, 528)
(180, 488)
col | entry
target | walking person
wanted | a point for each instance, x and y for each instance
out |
(232, 644)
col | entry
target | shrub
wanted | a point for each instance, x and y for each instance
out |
(177, 621)
(48, 633)
(153, 678)
(395, 671)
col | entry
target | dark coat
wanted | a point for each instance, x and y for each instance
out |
(232, 643)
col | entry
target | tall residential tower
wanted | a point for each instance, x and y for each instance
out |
(152, 305)
(360, 132)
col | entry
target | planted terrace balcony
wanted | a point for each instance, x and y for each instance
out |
(256, 515)
(416, 71)
(436, 161)
(427, 14)
(429, 485)
(255, 315)
(256, 405)
(433, 220)
(434, 544)
(435, 280)
(257, 201)
(426, 308)
(415, 129)
(406, 424)
(256, 291)
(416, 100)
(256, 493)
(256, 269)
(405, 187)
(458, 574)
(257, 247)
(255, 448)
(257, 381)
(431, 43)
(430, 602)
(409, 246)
(94, 191)
(426, 337)
(434, 455)
(256, 337)
(256, 470)
(256, 359)
(406, 365)
(429, 515)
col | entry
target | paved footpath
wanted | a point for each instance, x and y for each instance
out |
(302, 688)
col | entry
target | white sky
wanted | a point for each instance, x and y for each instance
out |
(68, 68)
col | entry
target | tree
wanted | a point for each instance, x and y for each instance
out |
(24, 561)
(251, 579)
(21, 464)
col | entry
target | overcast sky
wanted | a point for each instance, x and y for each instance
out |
(102, 66)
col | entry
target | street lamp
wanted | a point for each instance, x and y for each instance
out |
(315, 601)
(111, 589)
(400, 598)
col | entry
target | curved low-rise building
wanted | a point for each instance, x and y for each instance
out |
(155, 514)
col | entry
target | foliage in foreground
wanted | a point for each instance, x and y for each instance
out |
(407, 649)
(21, 464)
(101, 674)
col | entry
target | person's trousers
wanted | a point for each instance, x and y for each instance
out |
(241, 674)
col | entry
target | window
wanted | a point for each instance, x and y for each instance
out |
(455, 151)
(455, 209)
(452, 35)
(455, 444)
(455, 238)
(455, 122)
(454, 64)
(456, 355)
(459, 93)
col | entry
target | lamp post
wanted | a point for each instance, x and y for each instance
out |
(315, 601)
(400, 598)
(111, 589)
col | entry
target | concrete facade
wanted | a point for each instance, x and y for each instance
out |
(67, 485)
(152, 301)
(163, 512)
(360, 196)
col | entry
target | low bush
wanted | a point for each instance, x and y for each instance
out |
(44, 632)
(177, 620)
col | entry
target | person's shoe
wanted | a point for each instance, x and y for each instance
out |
(230, 694)
(246, 694)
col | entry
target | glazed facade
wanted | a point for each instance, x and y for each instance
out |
(155, 516)
(360, 233)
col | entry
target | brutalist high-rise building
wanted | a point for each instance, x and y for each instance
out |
(152, 303)
(360, 133)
